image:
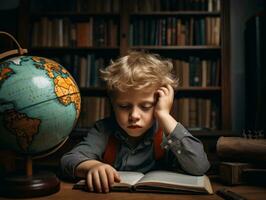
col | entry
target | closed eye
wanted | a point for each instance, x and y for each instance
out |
(146, 107)
(124, 107)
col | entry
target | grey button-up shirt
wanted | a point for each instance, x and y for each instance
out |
(182, 150)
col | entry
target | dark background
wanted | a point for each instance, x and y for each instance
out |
(240, 12)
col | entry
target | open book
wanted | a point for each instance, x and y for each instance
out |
(159, 181)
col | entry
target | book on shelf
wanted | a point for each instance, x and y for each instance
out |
(84, 33)
(196, 71)
(196, 112)
(93, 108)
(158, 181)
(170, 5)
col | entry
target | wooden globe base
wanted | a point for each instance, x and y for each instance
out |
(25, 186)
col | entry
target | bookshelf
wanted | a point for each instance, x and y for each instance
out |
(85, 35)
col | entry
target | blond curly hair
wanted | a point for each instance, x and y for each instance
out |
(138, 70)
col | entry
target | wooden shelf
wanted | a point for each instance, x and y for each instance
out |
(197, 88)
(74, 14)
(176, 13)
(191, 47)
(215, 55)
(74, 49)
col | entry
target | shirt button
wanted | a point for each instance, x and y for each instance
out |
(170, 141)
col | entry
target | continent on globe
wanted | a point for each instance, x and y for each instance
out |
(65, 87)
(22, 126)
(5, 73)
(39, 104)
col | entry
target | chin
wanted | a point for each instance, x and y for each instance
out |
(135, 133)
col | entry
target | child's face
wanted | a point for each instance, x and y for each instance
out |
(134, 110)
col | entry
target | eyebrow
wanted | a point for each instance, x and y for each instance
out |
(143, 102)
(148, 102)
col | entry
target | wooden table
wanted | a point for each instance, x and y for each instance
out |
(67, 193)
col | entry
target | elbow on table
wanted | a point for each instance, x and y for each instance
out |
(199, 169)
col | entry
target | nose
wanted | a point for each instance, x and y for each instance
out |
(134, 115)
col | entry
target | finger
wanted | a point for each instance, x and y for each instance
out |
(164, 90)
(116, 176)
(96, 181)
(160, 93)
(170, 89)
(104, 180)
(89, 182)
(110, 176)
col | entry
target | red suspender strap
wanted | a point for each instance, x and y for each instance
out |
(110, 150)
(157, 140)
(109, 154)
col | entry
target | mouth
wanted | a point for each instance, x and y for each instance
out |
(134, 126)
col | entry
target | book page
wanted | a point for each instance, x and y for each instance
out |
(81, 184)
(174, 178)
(128, 178)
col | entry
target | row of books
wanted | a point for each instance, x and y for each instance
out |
(88, 70)
(62, 32)
(191, 112)
(197, 72)
(174, 5)
(175, 31)
(196, 113)
(92, 109)
(102, 32)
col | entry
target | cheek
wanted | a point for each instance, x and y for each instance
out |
(121, 117)
(149, 116)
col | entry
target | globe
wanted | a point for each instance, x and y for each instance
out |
(39, 104)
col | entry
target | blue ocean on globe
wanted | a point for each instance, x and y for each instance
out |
(39, 104)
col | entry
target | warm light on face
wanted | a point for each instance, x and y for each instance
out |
(134, 110)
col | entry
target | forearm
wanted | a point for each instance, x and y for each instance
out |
(192, 157)
(188, 150)
(83, 168)
(166, 122)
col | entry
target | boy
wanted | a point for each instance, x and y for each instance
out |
(141, 91)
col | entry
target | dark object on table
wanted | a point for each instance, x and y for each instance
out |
(229, 195)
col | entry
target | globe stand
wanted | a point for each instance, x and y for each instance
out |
(29, 184)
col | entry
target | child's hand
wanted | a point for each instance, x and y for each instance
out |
(165, 101)
(163, 108)
(101, 176)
